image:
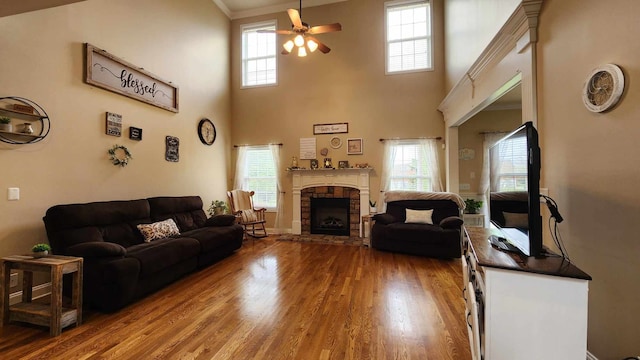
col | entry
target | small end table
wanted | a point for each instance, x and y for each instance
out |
(367, 225)
(53, 315)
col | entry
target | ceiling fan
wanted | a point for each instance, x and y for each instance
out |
(302, 31)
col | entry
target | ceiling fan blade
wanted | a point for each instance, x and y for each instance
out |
(322, 47)
(321, 29)
(284, 52)
(281, 32)
(294, 15)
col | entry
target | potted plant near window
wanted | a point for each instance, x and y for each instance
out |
(5, 124)
(472, 206)
(372, 207)
(218, 207)
(40, 250)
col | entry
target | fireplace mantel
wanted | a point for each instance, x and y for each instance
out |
(352, 177)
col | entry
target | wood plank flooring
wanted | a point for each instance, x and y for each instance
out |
(277, 300)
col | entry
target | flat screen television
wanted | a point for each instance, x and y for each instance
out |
(514, 203)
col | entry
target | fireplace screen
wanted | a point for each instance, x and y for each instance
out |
(330, 216)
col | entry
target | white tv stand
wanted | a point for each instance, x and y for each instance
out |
(522, 307)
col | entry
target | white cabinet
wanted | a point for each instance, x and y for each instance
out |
(522, 307)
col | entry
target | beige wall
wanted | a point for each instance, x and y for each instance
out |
(471, 25)
(470, 136)
(347, 85)
(185, 42)
(589, 161)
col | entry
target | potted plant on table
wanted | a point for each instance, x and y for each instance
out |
(5, 124)
(372, 207)
(472, 206)
(40, 250)
(218, 207)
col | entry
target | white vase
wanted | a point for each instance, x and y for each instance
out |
(373, 210)
(6, 127)
(40, 254)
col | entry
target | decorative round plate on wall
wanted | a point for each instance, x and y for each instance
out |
(336, 142)
(603, 89)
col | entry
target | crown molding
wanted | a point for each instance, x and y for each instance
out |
(233, 15)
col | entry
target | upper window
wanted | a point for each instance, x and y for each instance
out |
(411, 168)
(512, 168)
(409, 41)
(259, 66)
(260, 176)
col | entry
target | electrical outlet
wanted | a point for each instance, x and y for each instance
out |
(465, 187)
(14, 280)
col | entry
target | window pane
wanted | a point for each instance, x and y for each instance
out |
(259, 55)
(410, 169)
(409, 25)
(261, 176)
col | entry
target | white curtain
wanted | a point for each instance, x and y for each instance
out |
(429, 149)
(275, 152)
(239, 179)
(490, 139)
(390, 150)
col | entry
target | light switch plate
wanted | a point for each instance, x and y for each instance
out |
(13, 194)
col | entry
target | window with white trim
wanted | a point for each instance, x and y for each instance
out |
(512, 168)
(410, 168)
(260, 176)
(259, 65)
(409, 39)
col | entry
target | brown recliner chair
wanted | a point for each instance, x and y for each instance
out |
(440, 239)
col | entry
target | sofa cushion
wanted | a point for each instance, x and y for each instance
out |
(413, 232)
(419, 216)
(220, 220)
(158, 230)
(210, 238)
(97, 249)
(159, 254)
(384, 219)
(186, 211)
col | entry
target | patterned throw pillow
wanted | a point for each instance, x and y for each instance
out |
(249, 216)
(158, 230)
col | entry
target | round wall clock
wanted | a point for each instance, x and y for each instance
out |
(336, 142)
(603, 88)
(206, 132)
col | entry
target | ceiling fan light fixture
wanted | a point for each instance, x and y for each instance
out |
(312, 45)
(302, 52)
(298, 40)
(288, 46)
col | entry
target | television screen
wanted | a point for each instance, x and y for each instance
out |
(514, 205)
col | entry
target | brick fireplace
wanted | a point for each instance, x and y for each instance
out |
(351, 199)
(330, 183)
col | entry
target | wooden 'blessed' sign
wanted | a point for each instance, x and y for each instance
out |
(114, 74)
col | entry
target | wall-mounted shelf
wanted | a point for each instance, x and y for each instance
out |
(16, 108)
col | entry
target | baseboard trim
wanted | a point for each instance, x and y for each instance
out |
(590, 356)
(38, 291)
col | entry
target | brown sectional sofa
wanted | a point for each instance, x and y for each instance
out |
(119, 266)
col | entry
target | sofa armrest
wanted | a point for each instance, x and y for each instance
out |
(96, 249)
(220, 220)
(384, 219)
(451, 222)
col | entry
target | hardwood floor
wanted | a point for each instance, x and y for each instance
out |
(277, 300)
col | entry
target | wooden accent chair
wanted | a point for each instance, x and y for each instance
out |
(251, 219)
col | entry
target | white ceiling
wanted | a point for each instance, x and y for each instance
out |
(234, 9)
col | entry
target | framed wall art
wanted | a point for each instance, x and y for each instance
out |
(354, 146)
(114, 74)
(114, 124)
(135, 133)
(337, 128)
(172, 152)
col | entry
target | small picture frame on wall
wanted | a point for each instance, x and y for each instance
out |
(343, 164)
(314, 163)
(114, 124)
(172, 152)
(135, 133)
(354, 146)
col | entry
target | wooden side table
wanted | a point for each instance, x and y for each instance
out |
(53, 315)
(367, 225)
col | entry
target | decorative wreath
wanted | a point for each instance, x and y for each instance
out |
(119, 160)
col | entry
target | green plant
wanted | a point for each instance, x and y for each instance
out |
(4, 120)
(372, 203)
(472, 206)
(41, 248)
(217, 207)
